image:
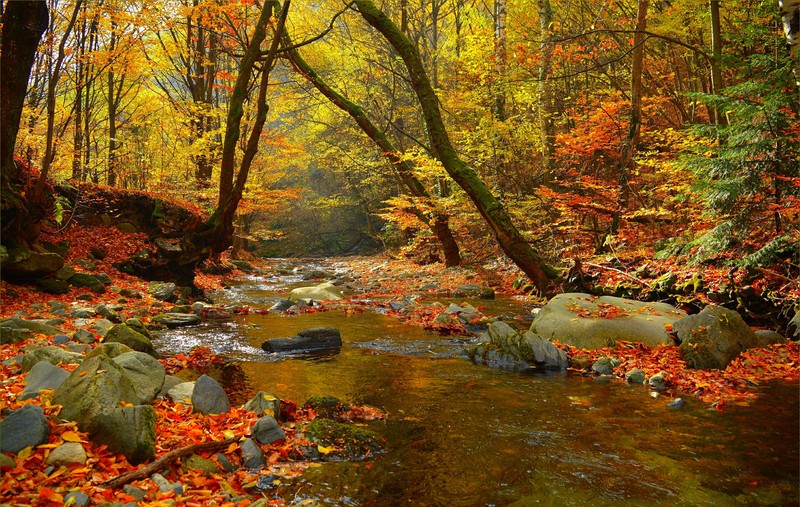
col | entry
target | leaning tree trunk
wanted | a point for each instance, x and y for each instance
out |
(493, 212)
(23, 26)
(438, 221)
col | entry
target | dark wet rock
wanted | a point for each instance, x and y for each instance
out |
(128, 430)
(89, 281)
(635, 376)
(98, 253)
(713, 338)
(677, 403)
(52, 285)
(9, 335)
(31, 325)
(225, 463)
(66, 453)
(174, 320)
(503, 347)
(82, 312)
(60, 339)
(319, 339)
(266, 430)
(327, 407)
(22, 428)
(252, 455)
(474, 290)
(24, 264)
(658, 382)
(76, 498)
(138, 326)
(200, 464)
(42, 375)
(108, 314)
(170, 381)
(146, 373)
(65, 273)
(591, 322)
(111, 350)
(282, 305)
(130, 293)
(605, 365)
(208, 397)
(162, 291)
(83, 336)
(264, 403)
(581, 361)
(346, 441)
(767, 337)
(52, 354)
(165, 486)
(182, 393)
(126, 335)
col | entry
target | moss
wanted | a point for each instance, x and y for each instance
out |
(349, 441)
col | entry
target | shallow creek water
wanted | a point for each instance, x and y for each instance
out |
(462, 434)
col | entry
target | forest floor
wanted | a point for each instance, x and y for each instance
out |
(31, 482)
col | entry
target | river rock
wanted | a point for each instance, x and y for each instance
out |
(101, 326)
(22, 428)
(130, 431)
(318, 339)
(126, 335)
(281, 305)
(349, 442)
(252, 455)
(42, 375)
(33, 326)
(503, 347)
(86, 280)
(591, 322)
(24, 264)
(52, 285)
(317, 274)
(66, 453)
(51, 354)
(658, 382)
(605, 365)
(267, 430)
(635, 376)
(83, 336)
(473, 290)
(200, 464)
(170, 381)
(173, 320)
(321, 292)
(767, 337)
(264, 403)
(713, 338)
(76, 498)
(162, 291)
(182, 393)
(676, 403)
(110, 350)
(208, 397)
(108, 314)
(146, 373)
(138, 326)
(10, 335)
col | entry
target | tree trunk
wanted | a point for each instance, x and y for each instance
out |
(438, 222)
(546, 109)
(716, 49)
(507, 235)
(500, 66)
(23, 26)
(790, 13)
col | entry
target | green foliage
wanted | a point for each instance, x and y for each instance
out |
(60, 205)
(786, 244)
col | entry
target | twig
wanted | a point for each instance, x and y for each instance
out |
(643, 284)
(164, 460)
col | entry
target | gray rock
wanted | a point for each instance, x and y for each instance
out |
(317, 274)
(676, 403)
(635, 376)
(502, 347)
(110, 350)
(473, 290)
(146, 373)
(713, 338)
(53, 285)
(65, 273)
(77, 498)
(170, 381)
(605, 365)
(182, 393)
(658, 382)
(173, 320)
(51, 354)
(590, 322)
(83, 336)
(226, 464)
(129, 293)
(767, 337)
(80, 348)
(9, 335)
(86, 280)
(137, 493)
(321, 292)
(252, 455)
(102, 326)
(109, 314)
(128, 430)
(66, 453)
(318, 339)
(22, 264)
(445, 319)
(165, 486)
(82, 312)
(7, 461)
(126, 335)
(282, 305)
(264, 403)
(267, 430)
(138, 326)
(22, 428)
(162, 291)
(200, 464)
(33, 326)
(42, 375)
(208, 397)
(60, 339)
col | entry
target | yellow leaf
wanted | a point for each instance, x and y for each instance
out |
(25, 453)
(325, 450)
(228, 434)
(71, 436)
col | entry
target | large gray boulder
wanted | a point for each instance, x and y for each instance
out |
(51, 354)
(208, 397)
(43, 375)
(591, 322)
(714, 337)
(503, 347)
(22, 428)
(314, 340)
(24, 264)
(321, 292)
(126, 335)
(267, 430)
(146, 373)
(130, 431)
(162, 291)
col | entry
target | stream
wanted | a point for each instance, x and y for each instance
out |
(463, 434)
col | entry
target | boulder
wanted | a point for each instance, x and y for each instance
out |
(126, 335)
(130, 431)
(327, 407)
(108, 314)
(591, 322)
(146, 373)
(24, 264)
(35, 327)
(162, 291)
(264, 403)
(22, 428)
(767, 337)
(66, 453)
(605, 365)
(318, 339)
(52, 285)
(101, 326)
(86, 280)
(173, 320)
(108, 349)
(713, 338)
(138, 326)
(170, 381)
(635, 376)
(281, 305)
(267, 430)
(10, 335)
(473, 290)
(503, 347)
(208, 397)
(321, 292)
(182, 393)
(51, 354)
(252, 455)
(83, 336)
(42, 375)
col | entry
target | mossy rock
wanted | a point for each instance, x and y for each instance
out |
(327, 407)
(127, 335)
(340, 441)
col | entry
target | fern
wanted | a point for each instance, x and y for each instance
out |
(768, 254)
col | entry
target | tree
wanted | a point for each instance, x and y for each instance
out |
(493, 212)
(790, 14)
(24, 23)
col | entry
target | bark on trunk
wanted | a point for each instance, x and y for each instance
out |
(546, 109)
(498, 219)
(716, 49)
(790, 13)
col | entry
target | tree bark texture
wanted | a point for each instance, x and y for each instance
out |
(790, 14)
(493, 212)
(546, 109)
